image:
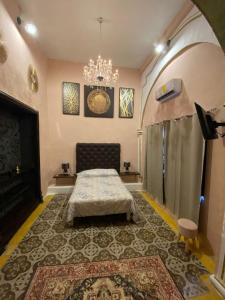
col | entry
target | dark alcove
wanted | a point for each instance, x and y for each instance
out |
(20, 190)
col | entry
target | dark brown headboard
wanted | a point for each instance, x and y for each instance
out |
(97, 156)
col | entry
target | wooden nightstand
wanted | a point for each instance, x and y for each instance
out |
(129, 176)
(62, 179)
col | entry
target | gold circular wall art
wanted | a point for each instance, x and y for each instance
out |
(32, 79)
(3, 53)
(98, 101)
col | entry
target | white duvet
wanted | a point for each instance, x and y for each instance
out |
(100, 192)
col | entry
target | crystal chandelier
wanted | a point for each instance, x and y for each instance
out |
(101, 72)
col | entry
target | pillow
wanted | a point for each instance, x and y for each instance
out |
(98, 173)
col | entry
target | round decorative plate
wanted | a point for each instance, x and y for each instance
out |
(98, 101)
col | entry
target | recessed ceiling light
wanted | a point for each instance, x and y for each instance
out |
(31, 29)
(159, 48)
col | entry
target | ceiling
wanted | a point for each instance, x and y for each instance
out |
(68, 29)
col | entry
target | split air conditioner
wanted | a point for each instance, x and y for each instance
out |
(169, 90)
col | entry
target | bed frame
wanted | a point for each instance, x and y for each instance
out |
(97, 156)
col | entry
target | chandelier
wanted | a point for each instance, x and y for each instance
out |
(100, 73)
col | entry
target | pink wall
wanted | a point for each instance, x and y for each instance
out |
(202, 70)
(13, 73)
(67, 130)
(59, 133)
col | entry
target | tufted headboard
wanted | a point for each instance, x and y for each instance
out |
(97, 156)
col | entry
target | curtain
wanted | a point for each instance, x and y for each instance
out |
(146, 162)
(172, 166)
(153, 179)
(183, 177)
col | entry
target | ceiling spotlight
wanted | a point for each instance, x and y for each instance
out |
(31, 29)
(160, 48)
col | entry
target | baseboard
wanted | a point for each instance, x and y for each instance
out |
(59, 189)
(216, 283)
(134, 186)
(68, 189)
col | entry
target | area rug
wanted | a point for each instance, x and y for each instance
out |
(50, 242)
(129, 279)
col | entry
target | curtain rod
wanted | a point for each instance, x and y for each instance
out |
(167, 120)
(214, 110)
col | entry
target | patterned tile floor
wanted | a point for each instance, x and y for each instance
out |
(49, 242)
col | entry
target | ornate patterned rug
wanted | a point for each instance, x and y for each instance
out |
(127, 279)
(50, 242)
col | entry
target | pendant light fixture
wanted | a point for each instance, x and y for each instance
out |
(100, 73)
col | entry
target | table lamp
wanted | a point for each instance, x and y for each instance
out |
(126, 165)
(65, 167)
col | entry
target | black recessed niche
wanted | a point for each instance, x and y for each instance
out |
(20, 189)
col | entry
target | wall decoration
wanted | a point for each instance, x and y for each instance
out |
(126, 103)
(71, 98)
(3, 51)
(98, 101)
(32, 79)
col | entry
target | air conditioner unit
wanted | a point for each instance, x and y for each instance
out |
(169, 90)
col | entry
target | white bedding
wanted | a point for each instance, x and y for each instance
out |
(100, 193)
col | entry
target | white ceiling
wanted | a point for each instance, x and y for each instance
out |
(68, 29)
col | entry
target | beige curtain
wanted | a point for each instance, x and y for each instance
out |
(153, 179)
(183, 177)
(146, 161)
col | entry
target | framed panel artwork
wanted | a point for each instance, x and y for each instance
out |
(126, 102)
(71, 98)
(98, 101)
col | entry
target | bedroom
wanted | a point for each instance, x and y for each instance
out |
(57, 58)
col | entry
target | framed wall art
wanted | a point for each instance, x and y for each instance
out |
(71, 98)
(126, 102)
(98, 101)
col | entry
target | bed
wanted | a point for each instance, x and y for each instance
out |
(99, 190)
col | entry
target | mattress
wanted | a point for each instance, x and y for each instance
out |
(98, 194)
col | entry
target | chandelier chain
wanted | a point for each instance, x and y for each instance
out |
(100, 20)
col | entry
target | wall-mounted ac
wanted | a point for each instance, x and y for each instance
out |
(169, 90)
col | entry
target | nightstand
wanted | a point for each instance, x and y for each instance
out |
(129, 176)
(62, 179)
